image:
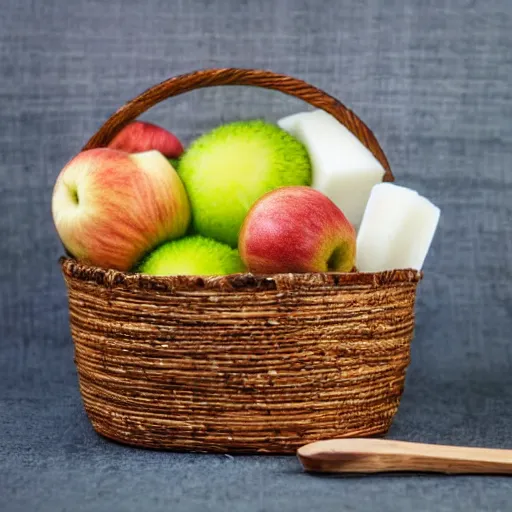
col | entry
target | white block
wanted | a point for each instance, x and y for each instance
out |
(417, 234)
(289, 123)
(397, 229)
(343, 168)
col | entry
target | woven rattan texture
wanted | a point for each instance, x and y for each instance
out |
(240, 363)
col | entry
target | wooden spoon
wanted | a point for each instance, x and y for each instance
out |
(382, 455)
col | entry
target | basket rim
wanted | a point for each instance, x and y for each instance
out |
(110, 278)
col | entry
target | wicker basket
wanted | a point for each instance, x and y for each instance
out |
(240, 363)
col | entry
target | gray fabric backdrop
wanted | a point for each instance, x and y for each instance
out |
(432, 78)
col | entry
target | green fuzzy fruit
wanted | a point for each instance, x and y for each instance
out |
(228, 169)
(194, 255)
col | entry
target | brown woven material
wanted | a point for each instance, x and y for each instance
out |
(239, 363)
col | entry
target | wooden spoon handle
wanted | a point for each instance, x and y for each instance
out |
(382, 455)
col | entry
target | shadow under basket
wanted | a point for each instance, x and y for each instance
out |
(240, 363)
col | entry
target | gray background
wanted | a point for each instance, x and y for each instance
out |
(432, 78)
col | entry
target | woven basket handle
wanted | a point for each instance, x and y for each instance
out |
(232, 76)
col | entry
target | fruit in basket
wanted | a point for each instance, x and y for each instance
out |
(110, 208)
(140, 136)
(343, 168)
(193, 255)
(228, 169)
(297, 229)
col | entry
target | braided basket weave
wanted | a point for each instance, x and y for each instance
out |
(241, 363)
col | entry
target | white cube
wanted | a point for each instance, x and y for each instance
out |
(289, 123)
(396, 230)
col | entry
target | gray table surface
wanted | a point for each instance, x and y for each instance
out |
(433, 79)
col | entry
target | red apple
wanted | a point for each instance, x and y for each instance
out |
(297, 229)
(140, 136)
(110, 208)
